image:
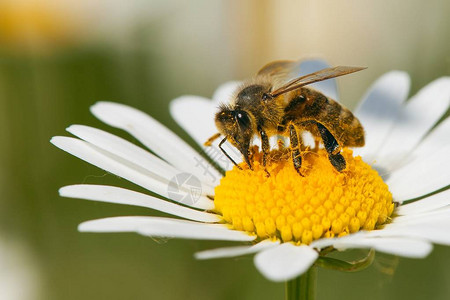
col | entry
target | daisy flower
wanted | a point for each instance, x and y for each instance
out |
(391, 198)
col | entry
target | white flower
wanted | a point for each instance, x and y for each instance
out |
(401, 143)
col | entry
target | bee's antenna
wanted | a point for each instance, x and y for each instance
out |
(226, 154)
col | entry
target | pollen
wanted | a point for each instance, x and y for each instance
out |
(287, 206)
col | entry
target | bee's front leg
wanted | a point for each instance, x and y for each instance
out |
(295, 148)
(209, 142)
(265, 147)
(333, 148)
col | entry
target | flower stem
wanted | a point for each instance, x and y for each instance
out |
(302, 287)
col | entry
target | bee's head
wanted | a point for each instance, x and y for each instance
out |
(237, 125)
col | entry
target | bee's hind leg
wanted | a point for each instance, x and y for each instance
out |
(295, 144)
(333, 148)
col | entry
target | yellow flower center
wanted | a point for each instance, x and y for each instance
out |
(289, 207)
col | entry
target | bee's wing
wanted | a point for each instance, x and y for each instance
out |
(280, 72)
(278, 68)
(314, 77)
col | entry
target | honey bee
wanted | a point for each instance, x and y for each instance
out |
(269, 104)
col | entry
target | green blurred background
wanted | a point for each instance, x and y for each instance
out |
(57, 58)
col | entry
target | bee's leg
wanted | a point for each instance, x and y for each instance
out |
(295, 149)
(265, 148)
(333, 148)
(211, 139)
(226, 154)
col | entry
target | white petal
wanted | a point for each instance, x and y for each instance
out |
(285, 262)
(124, 169)
(327, 87)
(379, 109)
(415, 120)
(389, 240)
(435, 233)
(384, 240)
(322, 243)
(437, 139)
(155, 136)
(327, 242)
(195, 115)
(432, 202)
(225, 91)
(165, 227)
(118, 195)
(438, 216)
(421, 177)
(402, 246)
(125, 150)
(236, 251)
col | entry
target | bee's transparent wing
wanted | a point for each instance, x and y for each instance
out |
(326, 87)
(280, 72)
(278, 68)
(321, 75)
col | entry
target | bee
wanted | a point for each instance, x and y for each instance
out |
(269, 104)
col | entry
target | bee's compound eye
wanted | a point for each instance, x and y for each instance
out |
(242, 118)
